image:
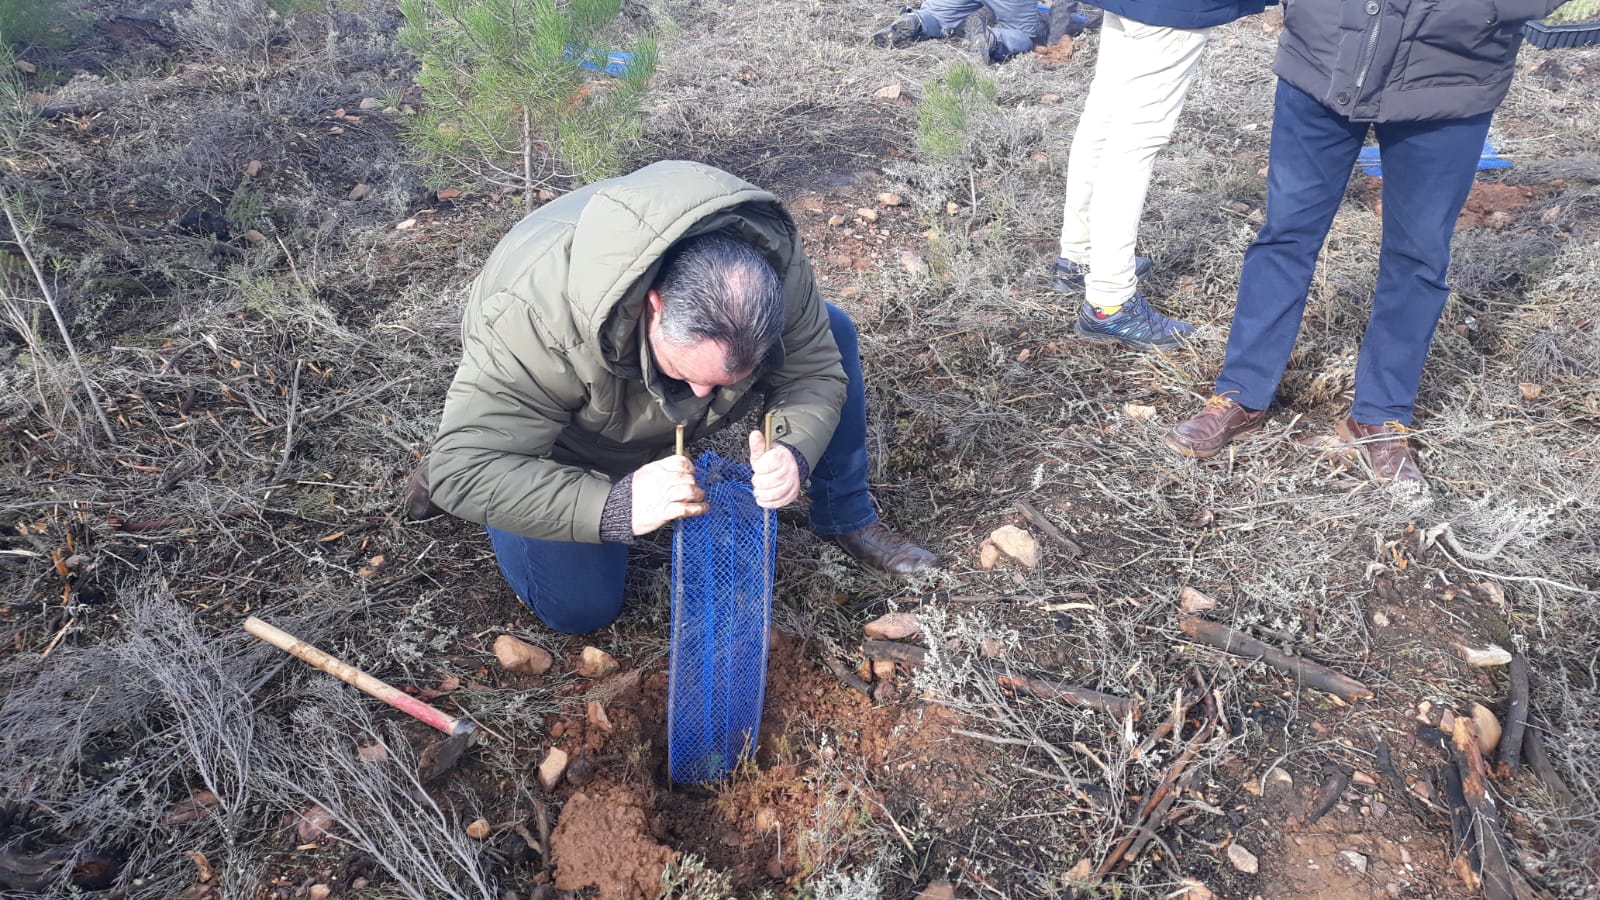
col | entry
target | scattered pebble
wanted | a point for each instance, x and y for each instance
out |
(1017, 544)
(553, 767)
(1355, 860)
(1488, 728)
(888, 92)
(319, 892)
(1243, 859)
(596, 663)
(867, 214)
(895, 626)
(371, 103)
(988, 555)
(1192, 601)
(479, 829)
(520, 656)
(883, 668)
(598, 717)
(1486, 657)
(938, 890)
(766, 819)
(252, 168)
(1380, 619)
(889, 199)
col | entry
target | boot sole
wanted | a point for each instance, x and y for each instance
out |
(1103, 338)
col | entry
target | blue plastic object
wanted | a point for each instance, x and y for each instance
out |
(616, 61)
(1371, 163)
(722, 569)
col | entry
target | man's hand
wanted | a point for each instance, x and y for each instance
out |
(663, 491)
(776, 481)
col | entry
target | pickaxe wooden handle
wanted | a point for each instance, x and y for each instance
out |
(351, 675)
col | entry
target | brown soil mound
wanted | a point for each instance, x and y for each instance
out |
(603, 840)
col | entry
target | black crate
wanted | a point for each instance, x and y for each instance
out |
(1559, 37)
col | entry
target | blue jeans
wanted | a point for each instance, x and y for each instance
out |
(575, 588)
(1016, 28)
(1428, 169)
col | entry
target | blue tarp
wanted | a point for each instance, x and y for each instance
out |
(1490, 159)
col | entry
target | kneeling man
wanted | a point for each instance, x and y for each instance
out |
(677, 295)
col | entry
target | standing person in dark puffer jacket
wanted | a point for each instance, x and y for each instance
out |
(1149, 52)
(1426, 76)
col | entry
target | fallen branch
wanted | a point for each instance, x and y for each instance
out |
(845, 675)
(1032, 514)
(1043, 688)
(1307, 672)
(1157, 804)
(1332, 789)
(1493, 866)
(1539, 761)
(1510, 753)
(1048, 689)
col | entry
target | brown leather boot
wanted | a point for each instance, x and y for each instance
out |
(1209, 430)
(1384, 448)
(883, 550)
(415, 495)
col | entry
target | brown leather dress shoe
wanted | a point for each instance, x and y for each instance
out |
(415, 496)
(1209, 430)
(1384, 448)
(883, 550)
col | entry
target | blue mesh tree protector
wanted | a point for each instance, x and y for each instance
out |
(722, 569)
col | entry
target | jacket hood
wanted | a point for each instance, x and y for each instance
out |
(628, 224)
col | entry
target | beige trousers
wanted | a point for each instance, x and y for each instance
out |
(1140, 80)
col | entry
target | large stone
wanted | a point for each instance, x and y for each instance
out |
(521, 656)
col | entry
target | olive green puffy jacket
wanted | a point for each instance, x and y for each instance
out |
(557, 397)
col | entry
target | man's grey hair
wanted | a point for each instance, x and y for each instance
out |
(722, 289)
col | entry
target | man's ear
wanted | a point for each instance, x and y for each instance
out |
(653, 298)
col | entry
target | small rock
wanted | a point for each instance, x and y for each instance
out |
(375, 752)
(1138, 412)
(405, 225)
(1363, 779)
(867, 214)
(1492, 655)
(989, 648)
(883, 668)
(1380, 619)
(359, 191)
(1488, 728)
(895, 626)
(553, 767)
(836, 220)
(888, 92)
(314, 823)
(447, 194)
(252, 168)
(1497, 595)
(255, 237)
(26, 68)
(1424, 712)
(1405, 857)
(596, 663)
(766, 819)
(319, 892)
(775, 868)
(371, 103)
(479, 829)
(1192, 601)
(546, 195)
(1355, 860)
(1447, 721)
(1379, 809)
(988, 554)
(912, 263)
(360, 884)
(889, 199)
(1017, 544)
(938, 890)
(521, 656)
(1081, 871)
(1243, 859)
(1530, 391)
(1195, 890)
(1050, 99)
(598, 717)
(1393, 889)
(1278, 778)
(951, 208)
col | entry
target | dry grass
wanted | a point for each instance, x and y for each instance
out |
(270, 399)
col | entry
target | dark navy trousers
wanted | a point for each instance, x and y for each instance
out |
(1428, 169)
(576, 587)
